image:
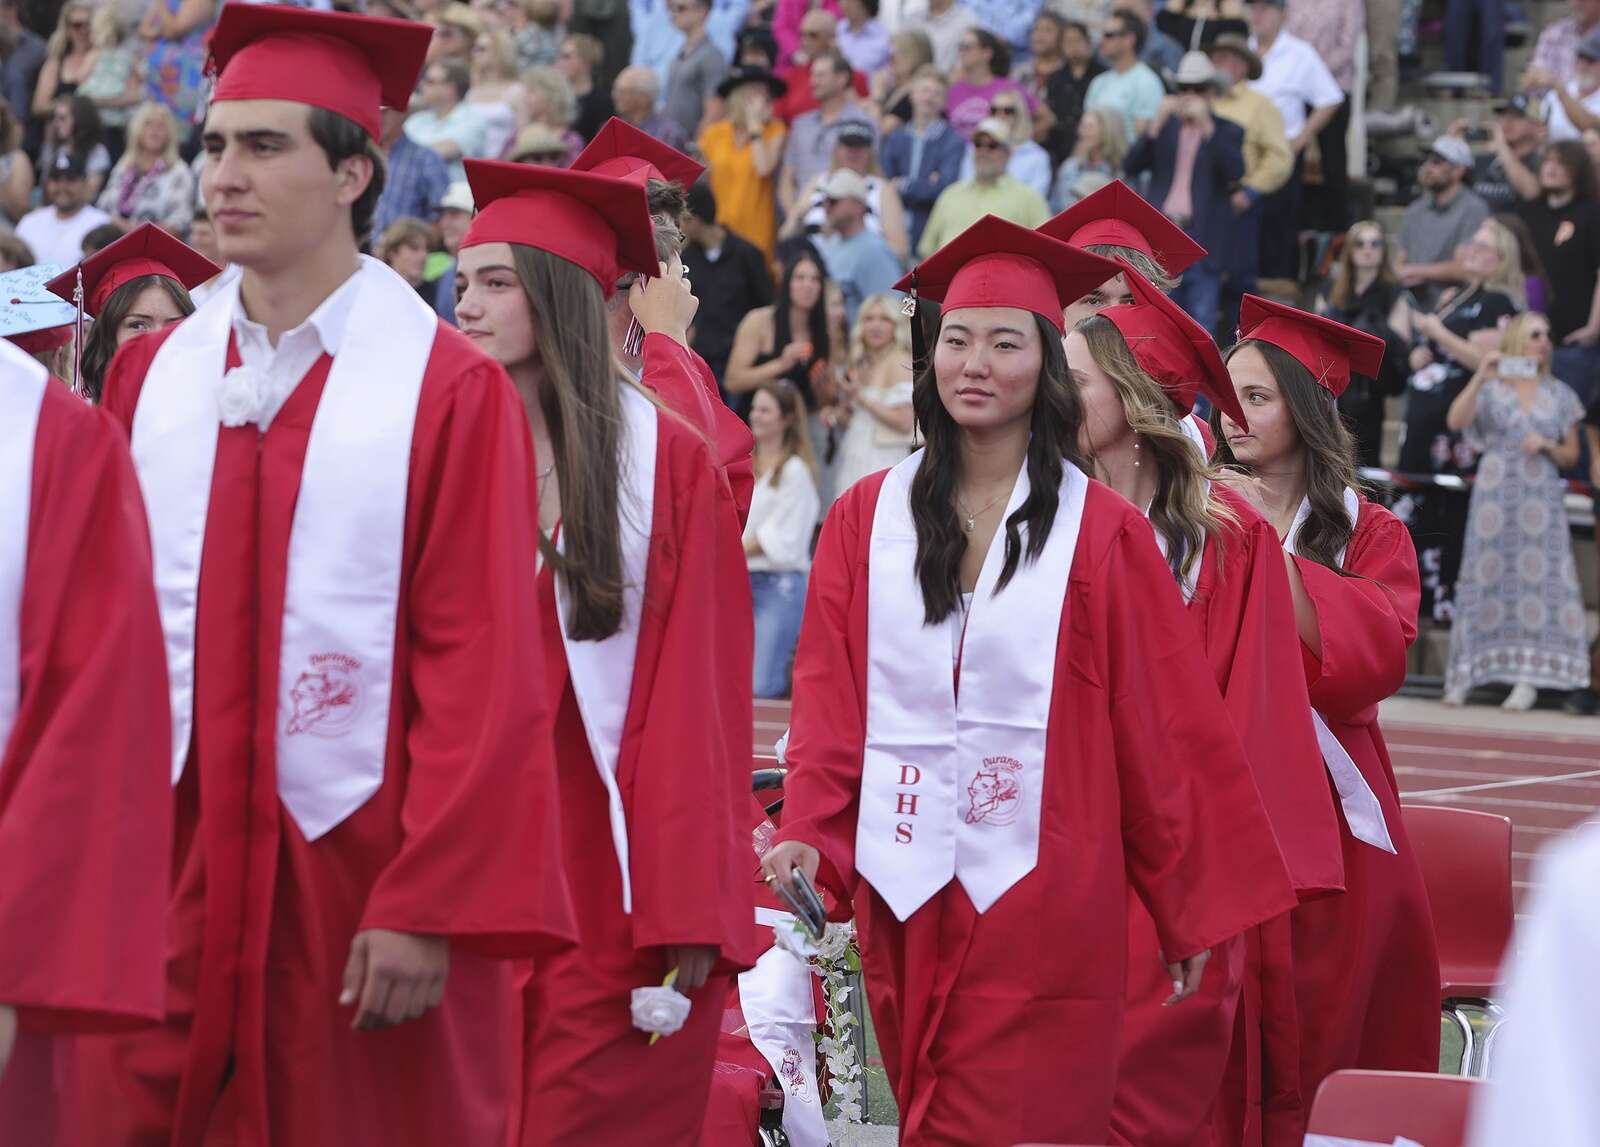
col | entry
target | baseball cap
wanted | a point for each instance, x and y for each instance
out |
(1520, 104)
(995, 128)
(67, 165)
(843, 183)
(457, 197)
(855, 134)
(1452, 150)
(1194, 70)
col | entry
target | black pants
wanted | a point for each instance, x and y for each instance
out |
(1327, 207)
(1280, 228)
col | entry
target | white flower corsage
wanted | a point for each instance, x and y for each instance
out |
(660, 1010)
(791, 936)
(239, 402)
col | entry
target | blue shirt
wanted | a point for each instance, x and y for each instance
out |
(1011, 20)
(415, 184)
(656, 42)
(862, 265)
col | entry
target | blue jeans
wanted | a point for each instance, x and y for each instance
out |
(1200, 295)
(1462, 19)
(779, 599)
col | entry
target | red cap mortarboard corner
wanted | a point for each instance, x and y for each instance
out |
(1173, 349)
(146, 250)
(1115, 216)
(619, 149)
(348, 64)
(598, 222)
(995, 263)
(1331, 351)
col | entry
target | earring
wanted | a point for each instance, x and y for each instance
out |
(1136, 451)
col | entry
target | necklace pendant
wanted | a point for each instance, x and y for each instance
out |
(972, 523)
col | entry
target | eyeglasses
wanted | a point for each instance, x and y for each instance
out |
(78, 25)
(1113, 33)
(988, 145)
(967, 46)
(1367, 241)
(1002, 109)
(540, 158)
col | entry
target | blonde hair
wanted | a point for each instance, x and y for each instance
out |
(499, 57)
(916, 44)
(796, 431)
(888, 304)
(739, 100)
(401, 233)
(1113, 137)
(1139, 261)
(142, 116)
(1514, 338)
(57, 45)
(1022, 121)
(1507, 278)
(1343, 291)
(561, 105)
(1183, 512)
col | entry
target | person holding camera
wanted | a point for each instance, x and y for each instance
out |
(1518, 609)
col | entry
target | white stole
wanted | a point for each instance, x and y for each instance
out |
(1362, 810)
(1190, 425)
(953, 788)
(780, 1013)
(602, 671)
(336, 660)
(22, 386)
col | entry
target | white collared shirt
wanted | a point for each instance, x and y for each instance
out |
(1294, 77)
(282, 367)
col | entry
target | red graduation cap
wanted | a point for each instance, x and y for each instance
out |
(1173, 349)
(146, 250)
(1330, 351)
(619, 149)
(42, 342)
(599, 222)
(348, 64)
(1115, 216)
(995, 263)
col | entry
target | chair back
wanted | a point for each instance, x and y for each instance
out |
(1466, 865)
(1378, 1106)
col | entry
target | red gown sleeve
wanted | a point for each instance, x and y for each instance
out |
(682, 380)
(481, 860)
(125, 376)
(1200, 851)
(686, 778)
(1366, 618)
(85, 783)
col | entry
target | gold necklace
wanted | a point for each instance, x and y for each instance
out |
(972, 516)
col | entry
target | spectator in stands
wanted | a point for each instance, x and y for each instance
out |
(1195, 160)
(1518, 609)
(1565, 223)
(788, 28)
(580, 57)
(1128, 85)
(535, 27)
(1011, 20)
(813, 134)
(1334, 29)
(14, 253)
(1536, 281)
(862, 37)
(403, 248)
(784, 508)
(495, 94)
(1044, 42)
(818, 39)
(985, 62)
(742, 152)
(71, 55)
(447, 123)
(788, 339)
(924, 157)
(873, 407)
(75, 127)
(635, 93)
(150, 183)
(203, 236)
(22, 55)
(1586, 702)
(1479, 24)
(16, 169)
(856, 258)
(415, 181)
(1383, 55)
(1555, 55)
(1571, 107)
(1095, 161)
(1508, 173)
(658, 37)
(944, 22)
(696, 68)
(175, 68)
(1591, 144)
(1365, 293)
(1268, 161)
(540, 145)
(548, 101)
(730, 278)
(1196, 23)
(756, 48)
(1439, 221)
(1030, 163)
(455, 215)
(886, 214)
(116, 82)
(1067, 89)
(101, 238)
(990, 191)
(910, 53)
(456, 27)
(54, 232)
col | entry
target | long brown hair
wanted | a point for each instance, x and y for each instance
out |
(100, 344)
(1183, 511)
(796, 433)
(1330, 453)
(941, 542)
(1342, 292)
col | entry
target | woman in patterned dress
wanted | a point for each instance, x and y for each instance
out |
(1519, 612)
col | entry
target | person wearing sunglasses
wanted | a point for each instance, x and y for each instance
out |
(1129, 85)
(1029, 162)
(992, 190)
(72, 55)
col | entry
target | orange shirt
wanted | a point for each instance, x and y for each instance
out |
(746, 200)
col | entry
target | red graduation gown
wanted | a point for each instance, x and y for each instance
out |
(85, 793)
(592, 1079)
(682, 380)
(1003, 1027)
(461, 839)
(1173, 1059)
(1366, 968)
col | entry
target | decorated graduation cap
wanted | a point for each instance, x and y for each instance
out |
(146, 250)
(621, 150)
(348, 64)
(598, 222)
(1115, 216)
(31, 317)
(1331, 351)
(995, 263)
(1173, 349)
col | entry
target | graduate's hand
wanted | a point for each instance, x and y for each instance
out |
(694, 963)
(665, 304)
(784, 858)
(8, 1035)
(393, 977)
(1186, 977)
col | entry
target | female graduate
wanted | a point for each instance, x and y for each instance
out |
(988, 817)
(1138, 368)
(648, 641)
(1366, 972)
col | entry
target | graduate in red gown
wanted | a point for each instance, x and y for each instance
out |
(85, 805)
(1365, 966)
(645, 602)
(340, 499)
(669, 368)
(1139, 368)
(987, 818)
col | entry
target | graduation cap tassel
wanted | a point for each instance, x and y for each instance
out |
(919, 338)
(77, 334)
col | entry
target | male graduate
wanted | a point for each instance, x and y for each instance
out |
(85, 808)
(340, 507)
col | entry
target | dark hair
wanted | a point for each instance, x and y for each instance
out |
(1573, 156)
(1330, 452)
(87, 131)
(666, 205)
(1532, 265)
(1133, 22)
(816, 321)
(665, 199)
(796, 431)
(1076, 26)
(101, 237)
(838, 61)
(1052, 16)
(100, 344)
(14, 250)
(941, 542)
(701, 201)
(999, 51)
(341, 139)
(456, 75)
(872, 8)
(761, 39)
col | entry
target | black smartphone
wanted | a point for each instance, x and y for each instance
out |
(813, 921)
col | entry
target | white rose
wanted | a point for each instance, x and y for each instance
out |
(659, 1010)
(794, 939)
(781, 749)
(239, 402)
(835, 942)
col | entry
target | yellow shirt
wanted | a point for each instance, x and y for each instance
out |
(745, 198)
(1268, 162)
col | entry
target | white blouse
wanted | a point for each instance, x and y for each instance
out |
(782, 518)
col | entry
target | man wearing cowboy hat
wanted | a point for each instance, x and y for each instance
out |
(1268, 160)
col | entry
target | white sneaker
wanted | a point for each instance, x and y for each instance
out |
(1523, 697)
(1457, 695)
